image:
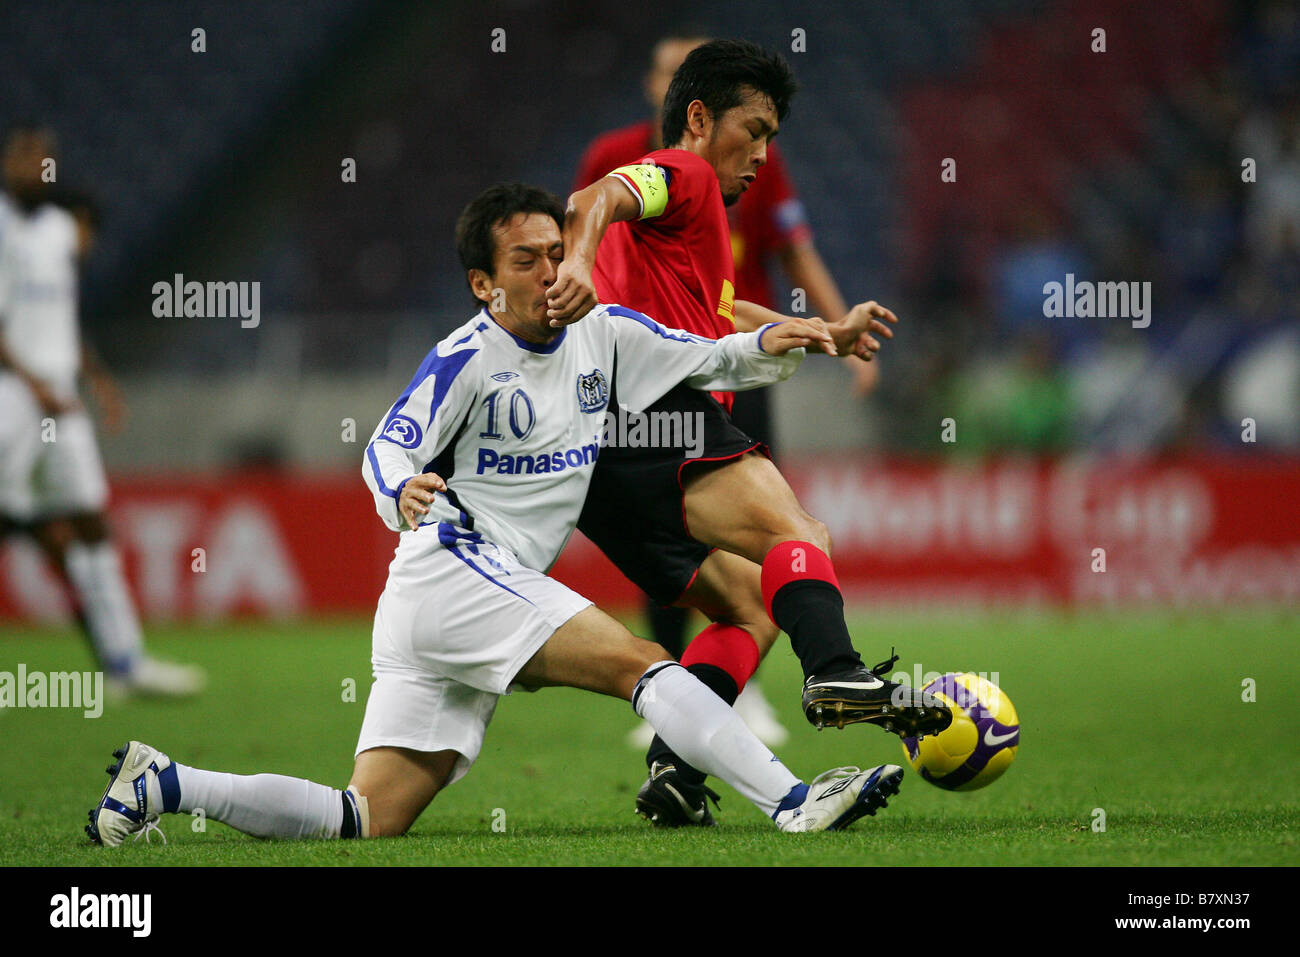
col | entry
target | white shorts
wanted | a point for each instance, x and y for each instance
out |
(46, 468)
(452, 630)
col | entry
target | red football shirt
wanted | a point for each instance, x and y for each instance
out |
(676, 266)
(768, 217)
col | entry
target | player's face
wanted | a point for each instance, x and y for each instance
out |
(529, 250)
(23, 155)
(738, 144)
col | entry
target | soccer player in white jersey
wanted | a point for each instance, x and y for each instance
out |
(52, 483)
(482, 465)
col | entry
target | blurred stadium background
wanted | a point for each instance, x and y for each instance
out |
(1071, 434)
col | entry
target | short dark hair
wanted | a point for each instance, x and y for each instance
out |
(496, 205)
(715, 73)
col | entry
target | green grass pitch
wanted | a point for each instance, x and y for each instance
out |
(1139, 714)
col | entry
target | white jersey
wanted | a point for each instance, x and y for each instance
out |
(38, 292)
(515, 428)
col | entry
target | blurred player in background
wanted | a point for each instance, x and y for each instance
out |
(52, 483)
(768, 221)
(720, 531)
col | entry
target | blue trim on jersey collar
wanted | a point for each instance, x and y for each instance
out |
(545, 350)
(466, 338)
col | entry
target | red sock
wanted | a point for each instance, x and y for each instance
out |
(793, 562)
(803, 599)
(726, 647)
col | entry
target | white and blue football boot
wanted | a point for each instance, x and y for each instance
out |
(133, 799)
(837, 798)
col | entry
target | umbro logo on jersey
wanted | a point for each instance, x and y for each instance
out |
(404, 431)
(993, 740)
(505, 376)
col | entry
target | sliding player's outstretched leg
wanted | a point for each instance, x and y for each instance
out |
(390, 787)
(594, 652)
(747, 508)
(144, 783)
(712, 737)
(722, 657)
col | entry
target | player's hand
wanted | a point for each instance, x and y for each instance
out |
(853, 333)
(111, 404)
(810, 333)
(572, 295)
(417, 496)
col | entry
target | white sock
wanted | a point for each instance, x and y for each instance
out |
(96, 573)
(263, 805)
(709, 735)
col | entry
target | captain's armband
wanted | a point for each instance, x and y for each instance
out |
(650, 186)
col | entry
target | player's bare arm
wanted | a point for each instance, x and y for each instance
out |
(852, 335)
(589, 213)
(749, 316)
(806, 270)
(417, 496)
(107, 393)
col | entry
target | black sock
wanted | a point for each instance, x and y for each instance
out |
(721, 684)
(668, 626)
(351, 828)
(811, 612)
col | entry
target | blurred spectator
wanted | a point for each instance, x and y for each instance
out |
(1263, 384)
(1039, 253)
(1273, 202)
(1019, 403)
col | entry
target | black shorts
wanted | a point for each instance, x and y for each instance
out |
(752, 414)
(634, 510)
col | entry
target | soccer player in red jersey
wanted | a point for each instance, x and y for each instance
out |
(767, 222)
(722, 531)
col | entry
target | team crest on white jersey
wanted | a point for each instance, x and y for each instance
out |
(593, 391)
(404, 431)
